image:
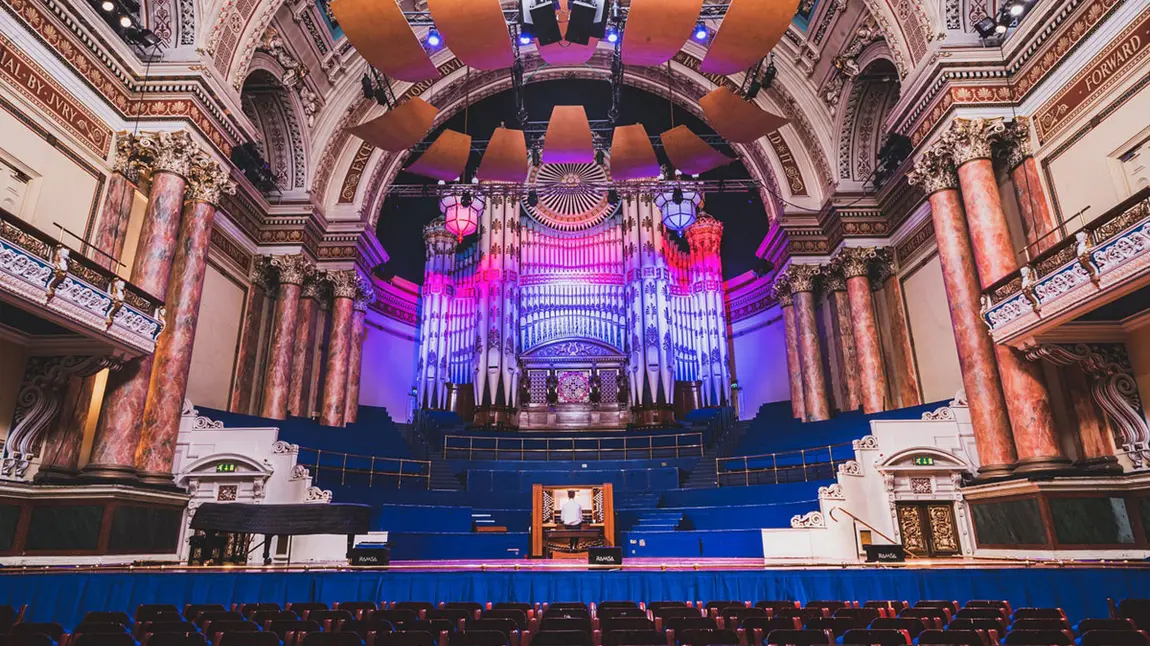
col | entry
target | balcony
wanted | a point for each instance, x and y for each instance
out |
(50, 291)
(1103, 261)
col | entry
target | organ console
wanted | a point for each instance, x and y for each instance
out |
(550, 538)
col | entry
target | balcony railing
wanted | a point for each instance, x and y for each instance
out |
(331, 468)
(1105, 253)
(803, 465)
(55, 280)
(578, 447)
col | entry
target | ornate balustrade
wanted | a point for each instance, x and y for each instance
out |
(802, 465)
(64, 286)
(576, 447)
(1111, 255)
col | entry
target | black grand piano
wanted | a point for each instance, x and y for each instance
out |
(228, 527)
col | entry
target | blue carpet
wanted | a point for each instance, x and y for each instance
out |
(63, 597)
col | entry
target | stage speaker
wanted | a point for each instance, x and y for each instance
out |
(586, 21)
(539, 16)
(370, 554)
(605, 556)
(884, 553)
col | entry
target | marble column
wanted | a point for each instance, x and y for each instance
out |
(1027, 397)
(303, 352)
(292, 271)
(934, 171)
(1094, 433)
(782, 291)
(244, 381)
(60, 456)
(899, 352)
(207, 182)
(1039, 223)
(842, 331)
(856, 265)
(118, 431)
(112, 227)
(355, 358)
(346, 286)
(817, 406)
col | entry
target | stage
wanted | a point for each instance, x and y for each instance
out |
(62, 594)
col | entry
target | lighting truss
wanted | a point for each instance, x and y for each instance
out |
(423, 18)
(519, 190)
(603, 129)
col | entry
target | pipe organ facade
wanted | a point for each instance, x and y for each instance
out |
(578, 314)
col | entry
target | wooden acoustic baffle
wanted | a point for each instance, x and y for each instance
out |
(446, 158)
(505, 159)
(379, 32)
(657, 29)
(689, 153)
(399, 128)
(632, 156)
(750, 29)
(736, 119)
(475, 31)
(568, 139)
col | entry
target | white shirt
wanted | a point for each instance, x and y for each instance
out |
(571, 513)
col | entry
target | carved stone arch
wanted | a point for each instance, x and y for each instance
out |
(277, 116)
(870, 98)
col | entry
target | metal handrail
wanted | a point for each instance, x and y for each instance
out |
(804, 465)
(569, 446)
(874, 529)
(424, 471)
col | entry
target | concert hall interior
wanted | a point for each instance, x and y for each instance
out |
(790, 302)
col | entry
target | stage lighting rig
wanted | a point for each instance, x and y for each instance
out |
(616, 84)
(517, 81)
(701, 32)
(538, 17)
(760, 77)
(434, 40)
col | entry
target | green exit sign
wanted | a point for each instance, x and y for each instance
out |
(924, 461)
(226, 467)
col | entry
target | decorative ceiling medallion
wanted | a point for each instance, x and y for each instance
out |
(572, 197)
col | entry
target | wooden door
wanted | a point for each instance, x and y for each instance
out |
(928, 528)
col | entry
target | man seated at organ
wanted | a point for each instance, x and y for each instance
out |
(571, 515)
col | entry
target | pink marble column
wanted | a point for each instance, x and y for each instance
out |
(240, 400)
(817, 405)
(277, 383)
(303, 350)
(173, 356)
(118, 431)
(856, 263)
(345, 289)
(1039, 223)
(60, 455)
(899, 352)
(1095, 436)
(934, 171)
(782, 291)
(1027, 398)
(844, 330)
(112, 227)
(355, 361)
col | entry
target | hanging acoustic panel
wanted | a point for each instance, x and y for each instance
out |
(475, 31)
(632, 156)
(563, 52)
(380, 33)
(399, 128)
(748, 32)
(445, 159)
(505, 159)
(657, 29)
(568, 139)
(689, 153)
(736, 119)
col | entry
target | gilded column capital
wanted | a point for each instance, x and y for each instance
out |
(883, 265)
(933, 171)
(314, 286)
(1016, 143)
(833, 278)
(856, 261)
(970, 139)
(348, 283)
(207, 180)
(781, 289)
(804, 277)
(167, 151)
(127, 160)
(293, 269)
(259, 272)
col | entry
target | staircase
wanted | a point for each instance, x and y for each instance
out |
(658, 520)
(442, 476)
(705, 475)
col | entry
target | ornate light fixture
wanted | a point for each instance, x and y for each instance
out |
(679, 207)
(461, 213)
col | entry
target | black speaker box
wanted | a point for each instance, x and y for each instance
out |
(605, 556)
(366, 554)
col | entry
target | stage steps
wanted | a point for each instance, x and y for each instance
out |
(705, 475)
(443, 477)
(656, 520)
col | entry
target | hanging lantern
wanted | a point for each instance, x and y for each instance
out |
(461, 213)
(679, 208)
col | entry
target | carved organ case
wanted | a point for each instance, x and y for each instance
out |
(549, 537)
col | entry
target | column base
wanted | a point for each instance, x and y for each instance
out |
(158, 480)
(994, 473)
(652, 416)
(107, 474)
(53, 475)
(1043, 465)
(1107, 464)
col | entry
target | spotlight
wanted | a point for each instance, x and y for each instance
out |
(532, 198)
(441, 182)
(586, 19)
(433, 38)
(985, 27)
(600, 156)
(612, 197)
(1000, 29)
(524, 39)
(107, 6)
(612, 35)
(465, 199)
(677, 195)
(474, 180)
(701, 32)
(1016, 9)
(535, 158)
(368, 90)
(125, 21)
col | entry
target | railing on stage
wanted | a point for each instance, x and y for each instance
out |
(369, 470)
(634, 447)
(803, 465)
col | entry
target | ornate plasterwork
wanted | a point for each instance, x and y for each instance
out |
(832, 492)
(207, 180)
(934, 171)
(865, 443)
(809, 520)
(970, 139)
(850, 468)
(280, 447)
(294, 269)
(941, 414)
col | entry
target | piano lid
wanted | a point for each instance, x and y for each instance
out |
(283, 520)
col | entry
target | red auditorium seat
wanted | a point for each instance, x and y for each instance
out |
(989, 603)
(998, 626)
(616, 604)
(366, 627)
(478, 638)
(10, 615)
(566, 624)
(954, 638)
(329, 619)
(98, 617)
(1040, 624)
(100, 628)
(911, 625)
(614, 612)
(931, 617)
(216, 628)
(568, 604)
(952, 606)
(30, 639)
(303, 608)
(777, 605)
(145, 628)
(503, 626)
(1137, 610)
(262, 617)
(248, 609)
(679, 624)
(708, 637)
(331, 639)
(1104, 624)
(626, 623)
(204, 618)
(1115, 638)
(655, 606)
(804, 614)
(397, 617)
(513, 605)
(246, 639)
(896, 606)
(830, 606)
(174, 639)
(101, 639)
(561, 638)
(860, 616)
(801, 637)
(1039, 638)
(634, 638)
(518, 617)
(415, 606)
(290, 630)
(192, 611)
(982, 613)
(431, 626)
(51, 629)
(1039, 613)
(837, 625)
(357, 608)
(561, 611)
(471, 606)
(877, 637)
(734, 615)
(418, 638)
(455, 615)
